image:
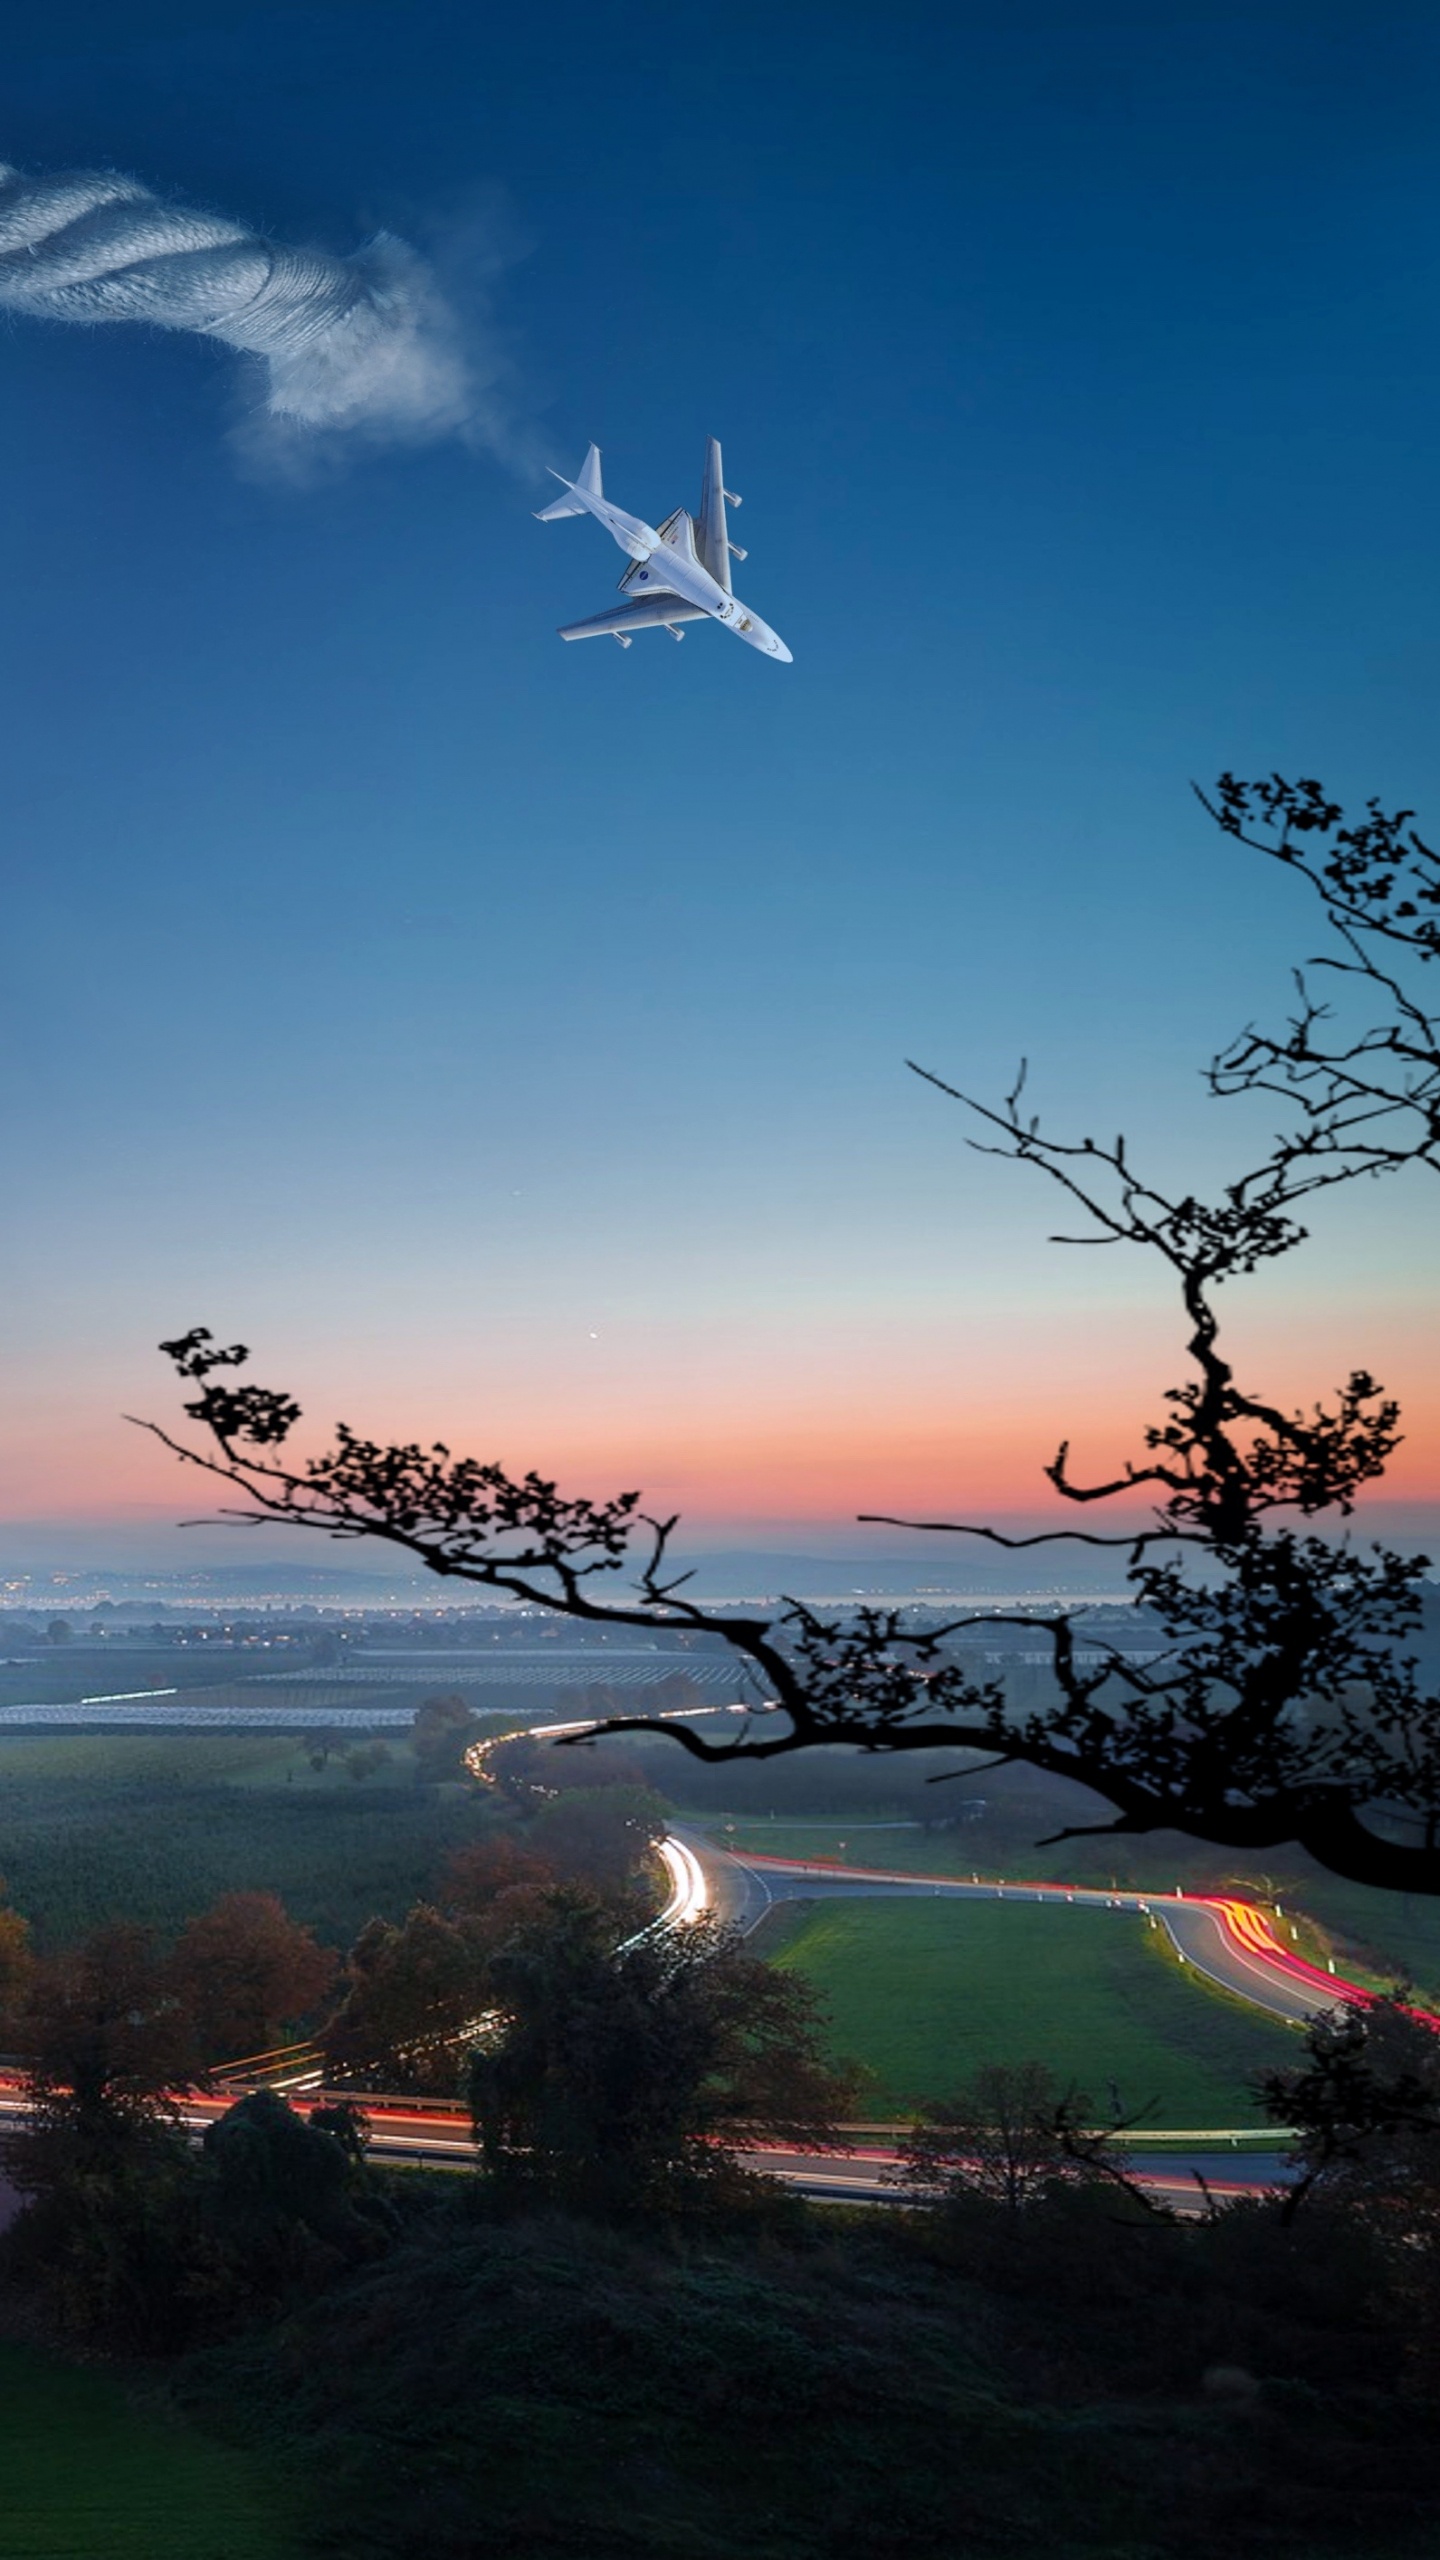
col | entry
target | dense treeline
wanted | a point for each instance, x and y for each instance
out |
(611, 2072)
(242, 1974)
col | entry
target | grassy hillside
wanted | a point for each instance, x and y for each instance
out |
(1380, 1937)
(923, 1992)
(822, 2392)
(88, 2476)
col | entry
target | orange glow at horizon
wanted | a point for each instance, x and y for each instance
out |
(922, 1426)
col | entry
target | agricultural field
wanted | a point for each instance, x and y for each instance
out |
(156, 1826)
(925, 1992)
(239, 1758)
(55, 1675)
(89, 2476)
(303, 1679)
(292, 1691)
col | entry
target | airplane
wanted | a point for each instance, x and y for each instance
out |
(680, 573)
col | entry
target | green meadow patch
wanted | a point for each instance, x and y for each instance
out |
(923, 1993)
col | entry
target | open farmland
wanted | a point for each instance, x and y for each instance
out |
(158, 1825)
(925, 1992)
(121, 1680)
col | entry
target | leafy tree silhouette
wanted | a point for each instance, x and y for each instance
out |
(619, 2078)
(1280, 1704)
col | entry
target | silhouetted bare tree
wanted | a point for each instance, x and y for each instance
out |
(1279, 1704)
(1368, 1089)
(1012, 2135)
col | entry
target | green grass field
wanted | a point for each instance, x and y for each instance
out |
(88, 2476)
(117, 1759)
(925, 1992)
(1382, 1936)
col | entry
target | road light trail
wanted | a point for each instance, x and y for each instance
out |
(1231, 1941)
(689, 1893)
(862, 2173)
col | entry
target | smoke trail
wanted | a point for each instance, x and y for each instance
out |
(362, 343)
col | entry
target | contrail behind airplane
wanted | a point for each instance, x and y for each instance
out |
(347, 342)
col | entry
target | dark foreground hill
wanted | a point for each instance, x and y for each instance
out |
(823, 2388)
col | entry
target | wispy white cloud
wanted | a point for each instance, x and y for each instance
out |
(369, 347)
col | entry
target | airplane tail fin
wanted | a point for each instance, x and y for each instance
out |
(587, 478)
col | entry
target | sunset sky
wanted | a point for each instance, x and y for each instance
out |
(507, 1039)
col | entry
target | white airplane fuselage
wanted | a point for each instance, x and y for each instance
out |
(681, 575)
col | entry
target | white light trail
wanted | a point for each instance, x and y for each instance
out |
(689, 1899)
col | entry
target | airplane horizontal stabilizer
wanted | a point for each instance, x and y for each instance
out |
(642, 613)
(586, 478)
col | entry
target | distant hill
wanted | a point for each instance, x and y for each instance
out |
(951, 1569)
(934, 1573)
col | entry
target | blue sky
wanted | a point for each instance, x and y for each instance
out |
(506, 1037)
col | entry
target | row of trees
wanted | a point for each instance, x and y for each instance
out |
(127, 2228)
(1281, 1704)
(1350, 2245)
(120, 2002)
(244, 1975)
(1359, 2116)
(134, 2233)
(603, 2077)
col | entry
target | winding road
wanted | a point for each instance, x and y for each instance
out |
(863, 2173)
(1232, 1942)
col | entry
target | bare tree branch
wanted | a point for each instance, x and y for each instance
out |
(1369, 1099)
(1279, 1704)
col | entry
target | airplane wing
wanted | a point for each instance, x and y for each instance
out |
(639, 613)
(714, 538)
(649, 600)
